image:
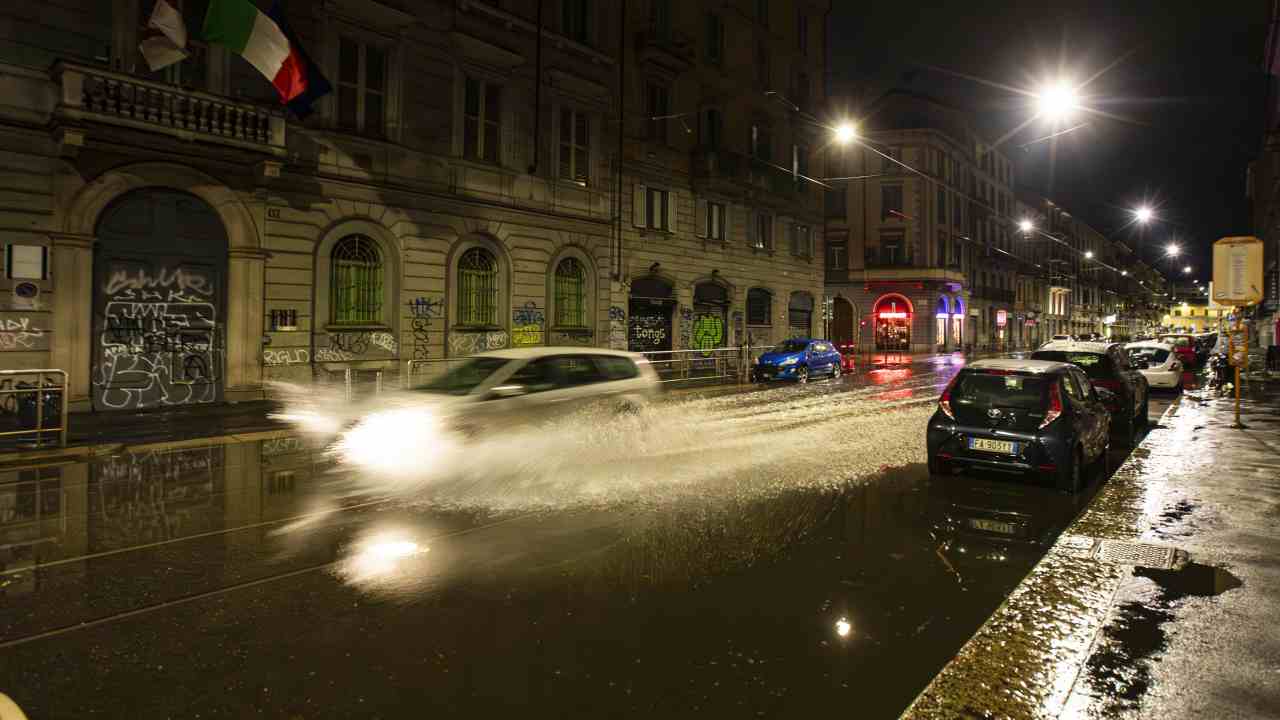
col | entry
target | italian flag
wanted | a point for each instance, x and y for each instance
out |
(242, 28)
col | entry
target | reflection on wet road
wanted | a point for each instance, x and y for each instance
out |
(763, 554)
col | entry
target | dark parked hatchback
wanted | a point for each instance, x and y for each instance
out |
(1108, 368)
(1022, 416)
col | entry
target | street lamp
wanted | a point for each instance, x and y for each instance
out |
(1056, 101)
(1186, 270)
(1088, 254)
(1026, 226)
(1172, 250)
(845, 133)
(1143, 214)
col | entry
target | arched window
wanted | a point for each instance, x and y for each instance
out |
(571, 294)
(355, 282)
(759, 307)
(478, 288)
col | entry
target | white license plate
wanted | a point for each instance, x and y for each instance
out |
(994, 526)
(996, 446)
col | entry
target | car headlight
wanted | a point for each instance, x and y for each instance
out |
(789, 361)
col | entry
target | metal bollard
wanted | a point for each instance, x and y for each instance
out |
(377, 383)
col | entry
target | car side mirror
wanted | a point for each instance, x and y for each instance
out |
(505, 391)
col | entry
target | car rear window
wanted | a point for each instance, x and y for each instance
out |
(1175, 340)
(1095, 365)
(982, 389)
(1154, 356)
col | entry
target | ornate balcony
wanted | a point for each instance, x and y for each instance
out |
(90, 94)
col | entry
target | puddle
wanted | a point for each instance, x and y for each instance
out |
(1119, 670)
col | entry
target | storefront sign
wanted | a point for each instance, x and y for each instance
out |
(1002, 318)
(1109, 320)
(1237, 271)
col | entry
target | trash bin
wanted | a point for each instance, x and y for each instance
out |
(52, 398)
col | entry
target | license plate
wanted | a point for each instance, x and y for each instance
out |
(994, 526)
(994, 446)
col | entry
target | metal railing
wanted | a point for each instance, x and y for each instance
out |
(29, 403)
(711, 365)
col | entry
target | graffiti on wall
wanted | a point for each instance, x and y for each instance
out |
(686, 328)
(617, 328)
(422, 311)
(468, 343)
(708, 331)
(351, 345)
(527, 322)
(20, 333)
(286, 356)
(649, 329)
(159, 338)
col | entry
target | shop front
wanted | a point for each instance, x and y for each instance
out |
(893, 315)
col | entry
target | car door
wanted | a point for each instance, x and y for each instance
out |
(1131, 378)
(578, 382)
(1095, 420)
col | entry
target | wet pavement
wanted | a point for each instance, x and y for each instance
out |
(762, 554)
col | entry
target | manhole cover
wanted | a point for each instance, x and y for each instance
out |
(1140, 554)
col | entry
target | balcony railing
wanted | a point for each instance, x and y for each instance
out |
(99, 95)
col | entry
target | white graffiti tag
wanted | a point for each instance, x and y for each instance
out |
(175, 280)
(18, 334)
(384, 340)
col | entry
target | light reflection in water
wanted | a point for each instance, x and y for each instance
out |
(381, 558)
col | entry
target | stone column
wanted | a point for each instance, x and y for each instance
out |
(245, 313)
(71, 341)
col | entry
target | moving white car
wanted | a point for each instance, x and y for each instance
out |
(1158, 363)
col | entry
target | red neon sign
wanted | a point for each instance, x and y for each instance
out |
(893, 315)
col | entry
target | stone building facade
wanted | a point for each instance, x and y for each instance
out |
(176, 238)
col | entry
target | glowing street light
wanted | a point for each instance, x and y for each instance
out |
(1026, 226)
(1186, 270)
(1143, 214)
(1088, 254)
(1124, 272)
(845, 133)
(1056, 101)
(1172, 250)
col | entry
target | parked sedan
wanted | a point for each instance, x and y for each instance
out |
(798, 359)
(1108, 368)
(1022, 416)
(1157, 362)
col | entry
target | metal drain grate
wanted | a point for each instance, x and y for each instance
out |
(1140, 554)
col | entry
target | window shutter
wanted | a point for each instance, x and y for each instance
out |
(700, 218)
(638, 198)
(673, 199)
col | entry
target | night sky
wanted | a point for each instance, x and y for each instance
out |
(1188, 84)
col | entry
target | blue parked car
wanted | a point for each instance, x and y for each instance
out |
(798, 359)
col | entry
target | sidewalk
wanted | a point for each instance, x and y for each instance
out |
(1160, 601)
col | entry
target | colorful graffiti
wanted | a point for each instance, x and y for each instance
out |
(527, 323)
(468, 343)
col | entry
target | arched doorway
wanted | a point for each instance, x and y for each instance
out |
(893, 315)
(710, 316)
(649, 320)
(957, 321)
(159, 302)
(942, 321)
(843, 323)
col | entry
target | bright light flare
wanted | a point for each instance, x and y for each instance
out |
(1057, 101)
(1026, 226)
(845, 133)
(379, 557)
(1088, 254)
(1124, 272)
(1172, 250)
(844, 627)
(1143, 214)
(1186, 270)
(410, 441)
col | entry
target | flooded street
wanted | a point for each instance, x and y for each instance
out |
(766, 553)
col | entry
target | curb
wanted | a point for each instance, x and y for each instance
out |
(991, 674)
(81, 453)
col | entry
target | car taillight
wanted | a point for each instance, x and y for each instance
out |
(944, 402)
(1055, 406)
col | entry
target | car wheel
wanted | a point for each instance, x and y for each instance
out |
(802, 374)
(1069, 474)
(836, 370)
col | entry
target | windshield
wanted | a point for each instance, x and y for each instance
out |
(1175, 340)
(793, 346)
(1095, 365)
(1153, 356)
(984, 390)
(466, 377)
